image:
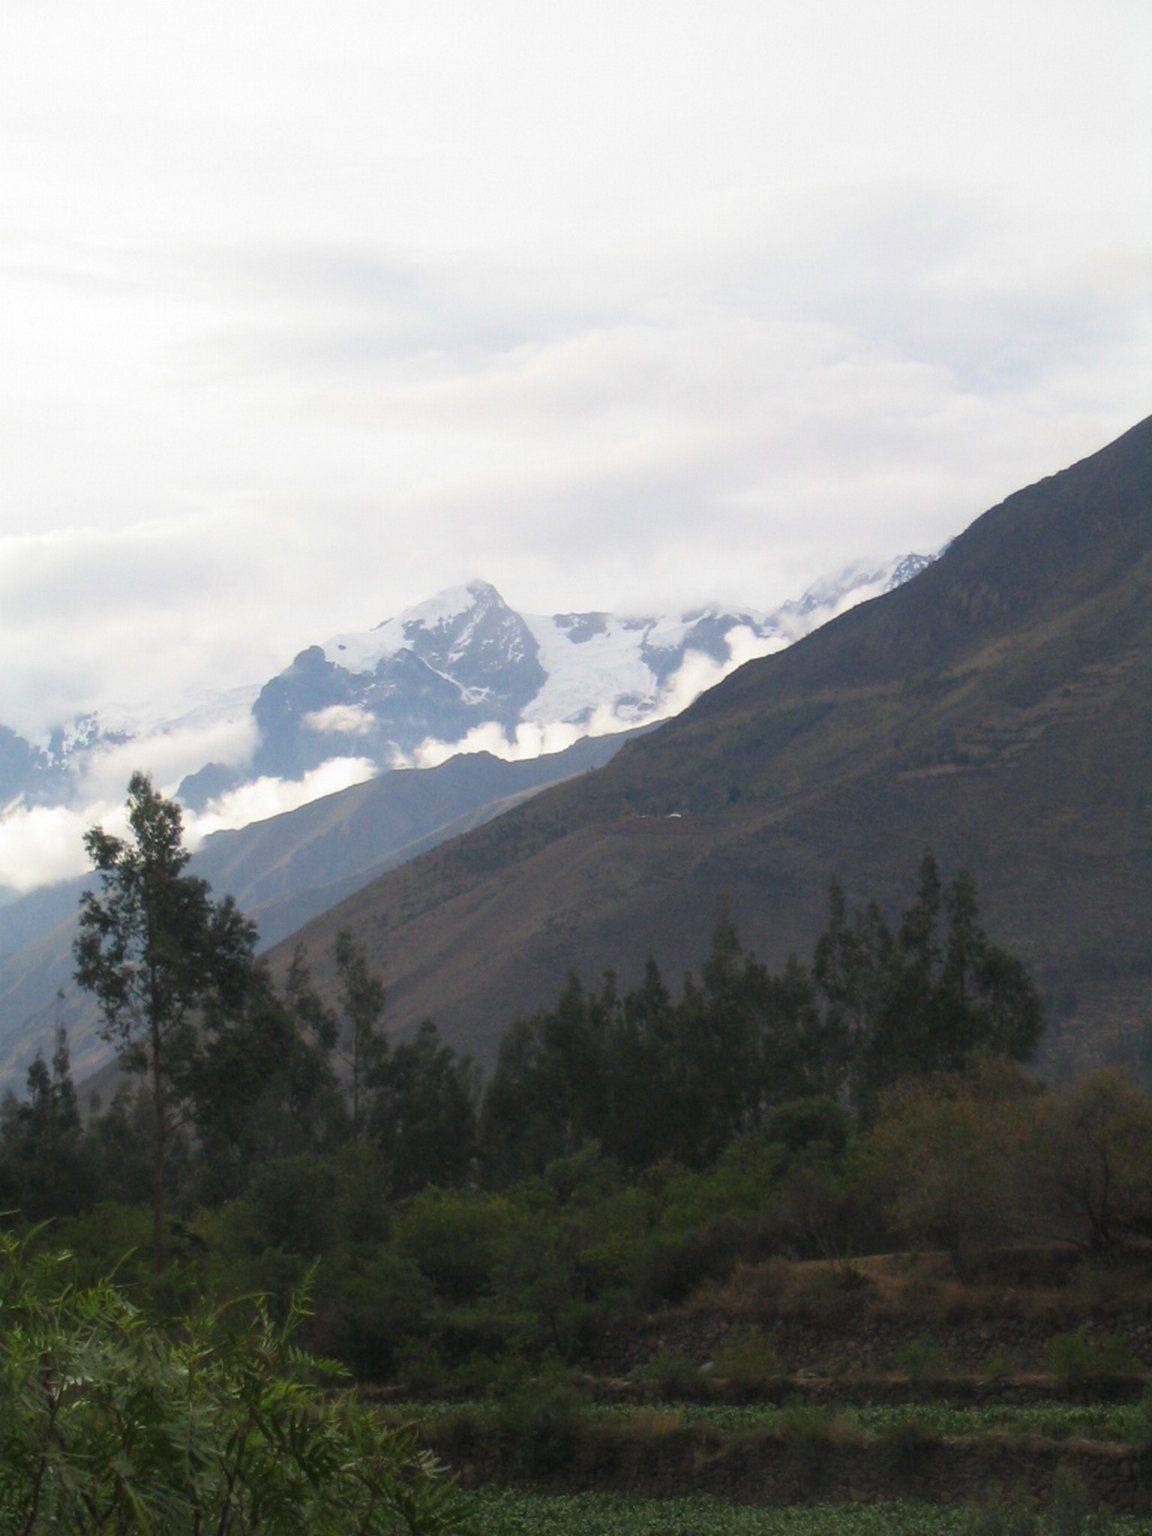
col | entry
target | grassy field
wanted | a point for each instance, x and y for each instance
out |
(1128, 1422)
(505, 1512)
(1117, 1422)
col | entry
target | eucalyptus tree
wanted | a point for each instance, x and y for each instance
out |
(158, 954)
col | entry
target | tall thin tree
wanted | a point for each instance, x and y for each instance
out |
(155, 949)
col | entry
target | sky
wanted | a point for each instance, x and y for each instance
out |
(309, 311)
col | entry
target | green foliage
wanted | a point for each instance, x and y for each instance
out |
(1080, 1356)
(748, 1360)
(671, 1374)
(1119, 1423)
(646, 1075)
(506, 1512)
(541, 1423)
(1003, 1514)
(1073, 1510)
(922, 1359)
(423, 1112)
(157, 954)
(808, 1434)
(43, 1170)
(925, 998)
(364, 1049)
(107, 1424)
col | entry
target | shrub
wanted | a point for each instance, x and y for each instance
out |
(675, 1266)
(670, 1374)
(106, 1422)
(905, 1445)
(1142, 1425)
(1080, 1356)
(997, 1366)
(542, 1424)
(747, 1360)
(922, 1359)
(1002, 1515)
(1074, 1512)
(808, 1435)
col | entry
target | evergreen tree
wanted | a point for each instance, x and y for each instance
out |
(365, 1046)
(929, 1000)
(424, 1113)
(156, 951)
(263, 1087)
(42, 1161)
(641, 1115)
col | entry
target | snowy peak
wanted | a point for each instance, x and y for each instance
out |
(488, 665)
(461, 670)
(440, 626)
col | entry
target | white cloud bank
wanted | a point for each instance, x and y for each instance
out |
(42, 844)
(310, 311)
(342, 720)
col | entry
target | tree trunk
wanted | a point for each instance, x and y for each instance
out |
(159, 1159)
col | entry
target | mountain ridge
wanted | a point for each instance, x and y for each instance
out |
(460, 661)
(997, 707)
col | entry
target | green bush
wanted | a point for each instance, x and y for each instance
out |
(1080, 1356)
(808, 1434)
(670, 1374)
(541, 1424)
(108, 1423)
(997, 1366)
(1073, 1511)
(922, 1360)
(747, 1361)
(906, 1444)
(1002, 1515)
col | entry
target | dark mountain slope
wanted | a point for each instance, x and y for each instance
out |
(998, 708)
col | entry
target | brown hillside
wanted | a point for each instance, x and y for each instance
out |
(997, 708)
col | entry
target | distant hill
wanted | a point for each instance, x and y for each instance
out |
(282, 872)
(997, 707)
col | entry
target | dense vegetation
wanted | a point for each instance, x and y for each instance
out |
(108, 1424)
(518, 1514)
(630, 1147)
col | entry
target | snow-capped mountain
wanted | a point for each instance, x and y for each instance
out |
(410, 689)
(465, 661)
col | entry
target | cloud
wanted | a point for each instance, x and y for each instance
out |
(266, 797)
(39, 845)
(342, 719)
(308, 315)
(167, 756)
(528, 740)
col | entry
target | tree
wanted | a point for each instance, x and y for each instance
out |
(43, 1169)
(156, 952)
(929, 998)
(365, 1048)
(946, 1149)
(424, 1113)
(262, 1085)
(1087, 1172)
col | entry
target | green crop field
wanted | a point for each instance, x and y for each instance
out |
(1117, 1422)
(1130, 1422)
(504, 1512)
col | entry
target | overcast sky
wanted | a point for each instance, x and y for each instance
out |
(307, 310)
